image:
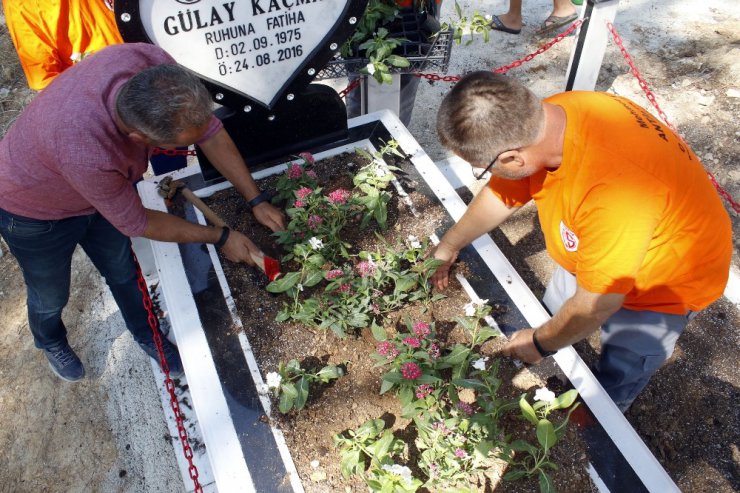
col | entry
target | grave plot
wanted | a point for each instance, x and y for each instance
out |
(229, 381)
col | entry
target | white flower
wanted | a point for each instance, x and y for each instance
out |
(414, 241)
(480, 364)
(399, 470)
(316, 243)
(370, 68)
(273, 380)
(380, 172)
(470, 307)
(544, 395)
(300, 287)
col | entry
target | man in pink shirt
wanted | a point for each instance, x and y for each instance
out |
(67, 169)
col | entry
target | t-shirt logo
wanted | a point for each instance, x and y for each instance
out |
(570, 240)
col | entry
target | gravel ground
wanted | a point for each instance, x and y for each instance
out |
(108, 433)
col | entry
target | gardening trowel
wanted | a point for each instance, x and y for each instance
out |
(169, 187)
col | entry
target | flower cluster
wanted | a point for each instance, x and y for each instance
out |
(413, 342)
(314, 221)
(411, 371)
(339, 196)
(422, 329)
(423, 390)
(366, 268)
(388, 349)
(333, 274)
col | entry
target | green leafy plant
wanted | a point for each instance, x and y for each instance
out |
(291, 383)
(369, 445)
(476, 24)
(536, 458)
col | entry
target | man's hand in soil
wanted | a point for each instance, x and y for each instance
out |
(270, 216)
(239, 248)
(521, 347)
(441, 277)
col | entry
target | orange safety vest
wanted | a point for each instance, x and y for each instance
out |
(51, 35)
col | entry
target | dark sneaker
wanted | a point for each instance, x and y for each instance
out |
(171, 354)
(65, 363)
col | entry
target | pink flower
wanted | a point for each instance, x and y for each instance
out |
(303, 192)
(344, 287)
(387, 349)
(339, 196)
(299, 203)
(434, 350)
(423, 390)
(422, 329)
(441, 427)
(308, 157)
(375, 308)
(366, 268)
(314, 221)
(312, 174)
(410, 371)
(460, 453)
(465, 407)
(295, 171)
(334, 273)
(412, 341)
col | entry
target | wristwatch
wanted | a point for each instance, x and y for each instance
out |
(542, 352)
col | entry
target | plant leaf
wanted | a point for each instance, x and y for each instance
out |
(527, 410)
(284, 283)
(546, 434)
(302, 391)
(546, 484)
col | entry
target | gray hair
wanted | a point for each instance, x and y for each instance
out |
(163, 101)
(487, 113)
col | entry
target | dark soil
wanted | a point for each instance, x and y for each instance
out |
(355, 398)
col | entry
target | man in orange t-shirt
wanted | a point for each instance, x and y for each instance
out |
(624, 205)
(52, 35)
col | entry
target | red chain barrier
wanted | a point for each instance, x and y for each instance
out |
(651, 97)
(500, 70)
(173, 152)
(183, 433)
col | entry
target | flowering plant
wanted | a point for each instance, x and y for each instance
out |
(298, 175)
(291, 383)
(537, 457)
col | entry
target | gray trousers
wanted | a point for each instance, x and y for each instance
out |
(634, 344)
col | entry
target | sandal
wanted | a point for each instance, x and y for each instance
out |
(497, 25)
(553, 23)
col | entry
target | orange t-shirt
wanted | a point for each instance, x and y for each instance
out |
(50, 35)
(630, 210)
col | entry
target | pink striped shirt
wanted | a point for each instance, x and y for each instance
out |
(65, 157)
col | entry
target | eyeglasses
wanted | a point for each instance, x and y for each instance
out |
(490, 165)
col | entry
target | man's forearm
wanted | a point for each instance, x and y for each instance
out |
(579, 316)
(484, 214)
(225, 157)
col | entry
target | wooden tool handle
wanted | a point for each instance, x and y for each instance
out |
(212, 217)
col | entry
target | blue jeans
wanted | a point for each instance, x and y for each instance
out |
(44, 251)
(633, 346)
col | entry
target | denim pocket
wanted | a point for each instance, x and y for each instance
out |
(28, 227)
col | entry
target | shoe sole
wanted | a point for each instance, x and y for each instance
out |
(66, 379)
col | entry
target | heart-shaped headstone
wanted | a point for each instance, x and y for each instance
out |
(254, 50)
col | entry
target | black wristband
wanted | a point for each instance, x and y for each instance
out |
(263, 196)
(224, 237)
(537, 345)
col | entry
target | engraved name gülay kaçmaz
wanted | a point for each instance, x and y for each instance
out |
(223, 40)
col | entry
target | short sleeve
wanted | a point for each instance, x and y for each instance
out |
(513, 193)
